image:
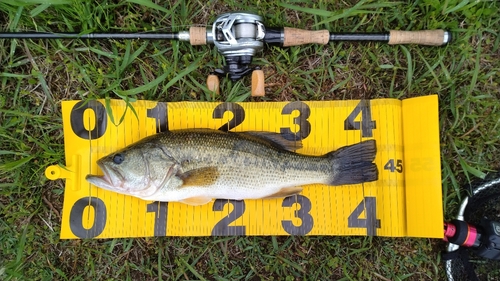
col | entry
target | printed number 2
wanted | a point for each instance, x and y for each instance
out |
(238, 115)
(370, 222)
(222, 228)
(366, 125)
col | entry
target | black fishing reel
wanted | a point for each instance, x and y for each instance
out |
(482, 239)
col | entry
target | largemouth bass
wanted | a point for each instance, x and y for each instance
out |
(195, 166)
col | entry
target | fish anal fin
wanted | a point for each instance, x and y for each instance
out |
(196, 201)
(199, 177)
(285, 192)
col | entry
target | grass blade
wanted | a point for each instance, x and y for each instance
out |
(143, 88)
(193, 66)
(151, 5)
(9, 166)
(39, 9)
(313, 11)
(191, 268)
(409, 69)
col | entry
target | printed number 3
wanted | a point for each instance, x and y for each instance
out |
(302, 213)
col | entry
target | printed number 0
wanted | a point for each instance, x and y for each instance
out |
(77, 122)
(222, 228)
(302, 214)
(76, 217)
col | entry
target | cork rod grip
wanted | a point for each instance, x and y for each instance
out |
(197, 36)
(423, 37)
(296, 37)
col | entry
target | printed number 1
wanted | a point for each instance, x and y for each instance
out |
(159, 113)
(160, 210)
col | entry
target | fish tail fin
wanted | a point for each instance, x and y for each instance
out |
(353, 164)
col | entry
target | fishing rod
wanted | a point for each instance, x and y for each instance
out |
(239, 36)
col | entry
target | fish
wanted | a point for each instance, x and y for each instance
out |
(196, 166)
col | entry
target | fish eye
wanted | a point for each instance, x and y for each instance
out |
(118, 158)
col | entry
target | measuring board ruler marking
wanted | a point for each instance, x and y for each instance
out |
(406, 200)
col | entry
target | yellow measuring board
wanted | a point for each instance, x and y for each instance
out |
(406, 200)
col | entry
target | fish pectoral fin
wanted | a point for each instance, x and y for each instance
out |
(196, 201)
(199, 177)
(285, 192)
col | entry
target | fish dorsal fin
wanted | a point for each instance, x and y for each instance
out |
(196, 201)
(199, 177)
(285, 192)
(276, 139)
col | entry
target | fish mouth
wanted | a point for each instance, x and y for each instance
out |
(110, 180)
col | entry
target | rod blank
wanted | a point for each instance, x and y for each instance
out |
(70, 35)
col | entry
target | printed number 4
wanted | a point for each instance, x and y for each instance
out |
(366, 125)
(394, 168)
(370, 222)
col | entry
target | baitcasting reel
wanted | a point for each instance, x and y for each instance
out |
(238, 37)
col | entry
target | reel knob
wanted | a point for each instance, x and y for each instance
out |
(258, 83)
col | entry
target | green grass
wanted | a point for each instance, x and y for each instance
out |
(36, 75)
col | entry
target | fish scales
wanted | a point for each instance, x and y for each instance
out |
(195, 166)
(237, 155)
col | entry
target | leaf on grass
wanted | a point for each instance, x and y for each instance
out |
(190, 268)
(409, 70)
(5, 152)
(8, 166)
(37, 2)
(386, 66)
(292, 264)
(318, 12)
(13, 75)
(457, 7)
(358, 9)
(143, 88)
(471, 170)
(39, 9)
(193, 66)
(151, 5)
(109, 110)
